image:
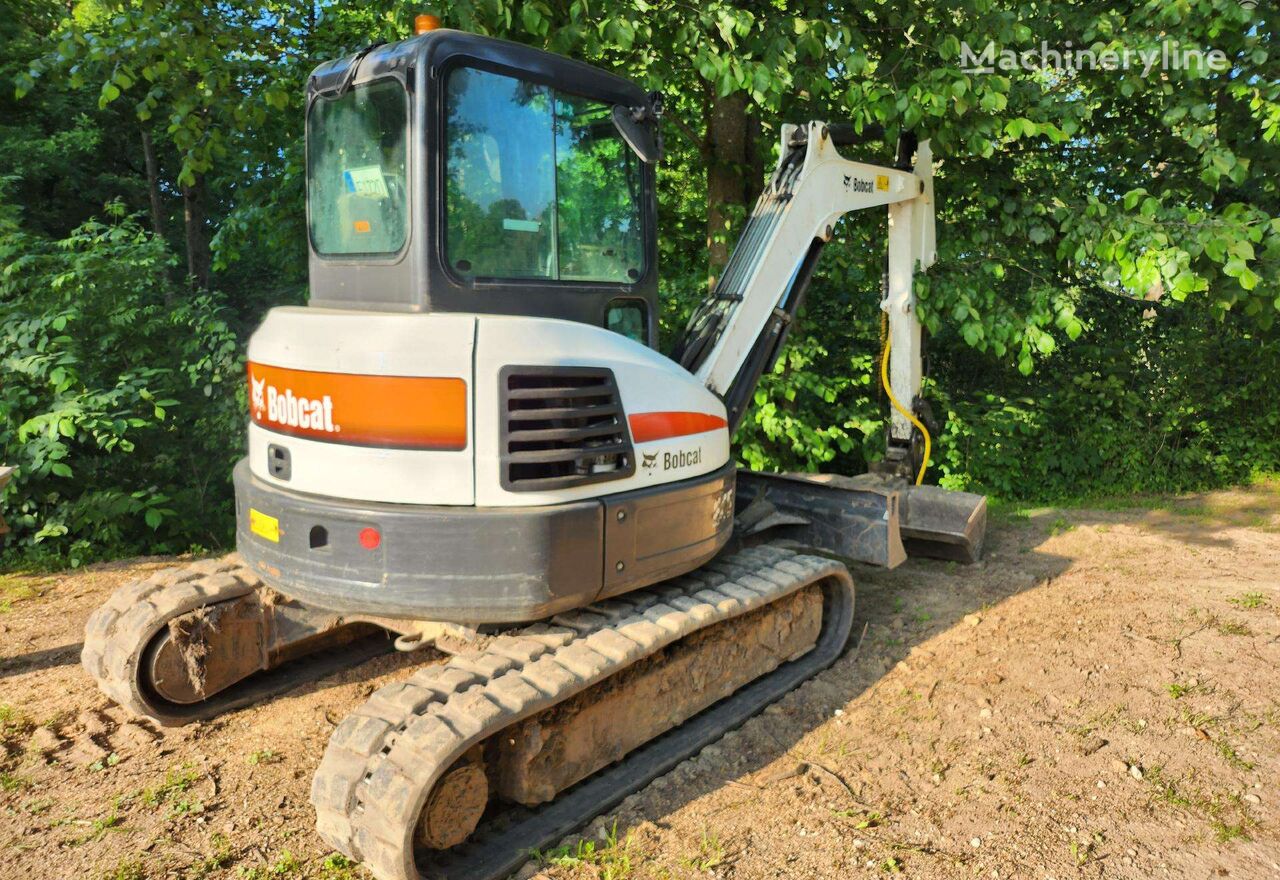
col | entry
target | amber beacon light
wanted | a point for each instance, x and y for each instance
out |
(424, 23)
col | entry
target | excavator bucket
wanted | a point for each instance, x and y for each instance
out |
(871, 518)
(942, 523)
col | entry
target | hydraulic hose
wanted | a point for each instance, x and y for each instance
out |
(907, 414)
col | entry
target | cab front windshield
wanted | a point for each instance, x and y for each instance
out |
(538, 184)
(356, 183)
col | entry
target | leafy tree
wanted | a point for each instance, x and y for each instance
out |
(121, 401)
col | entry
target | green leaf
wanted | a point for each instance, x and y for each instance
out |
(531, 18)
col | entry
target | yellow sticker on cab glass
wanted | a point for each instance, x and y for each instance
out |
(264, 526)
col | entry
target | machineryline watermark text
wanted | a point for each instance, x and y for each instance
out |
(1166, 55)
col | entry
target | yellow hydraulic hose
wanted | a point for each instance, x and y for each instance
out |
(907, 414)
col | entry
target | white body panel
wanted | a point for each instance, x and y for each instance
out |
(365, 473)
(367, 344)
(647, 383)
(473, 348)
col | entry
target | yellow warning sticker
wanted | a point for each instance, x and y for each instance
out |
(264, 526)
(882, 182)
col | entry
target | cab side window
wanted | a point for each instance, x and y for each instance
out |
(630, 318)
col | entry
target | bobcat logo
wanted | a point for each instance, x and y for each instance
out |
(259, 395)
(650, 461)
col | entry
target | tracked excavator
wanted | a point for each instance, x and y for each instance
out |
(468, 440)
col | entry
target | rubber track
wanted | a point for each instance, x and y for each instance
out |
(118, 633)
(383, 760)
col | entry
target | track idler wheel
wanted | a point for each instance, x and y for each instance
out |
(455, 805)
(191, 643)
(207, 650)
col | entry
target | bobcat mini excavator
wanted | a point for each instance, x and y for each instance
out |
(468, 440)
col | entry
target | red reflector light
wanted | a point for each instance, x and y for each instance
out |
(370, 539)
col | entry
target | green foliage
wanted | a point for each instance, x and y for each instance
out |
(610, 859)
(1142, 404)
(120, 401)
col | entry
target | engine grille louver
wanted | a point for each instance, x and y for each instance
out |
(561, 427)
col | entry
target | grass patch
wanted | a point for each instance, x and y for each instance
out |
(109, 761)
(98, 828)
(185, 807)
(337, 867)
(1225, 833)
(710, 854)
(176, 781)
(1249, 600)
(1099, 721)
(1233, 628)
(126, 870)
(1080, 853)
(1229, 754)
(287, 865)
(264, 756)
(1060, 525)
(611, 859)
(221, 857)
(12, 782)
(13, 722)
(20, 587)
(1226, 814)
(38, 806)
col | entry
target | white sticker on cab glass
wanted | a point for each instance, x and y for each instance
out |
(366, 180)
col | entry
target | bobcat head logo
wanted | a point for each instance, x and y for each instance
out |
(650, 461)
(259, 395)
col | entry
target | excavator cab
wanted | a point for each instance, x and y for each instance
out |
(456, 173)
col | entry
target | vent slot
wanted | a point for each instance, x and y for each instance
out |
(561, 427)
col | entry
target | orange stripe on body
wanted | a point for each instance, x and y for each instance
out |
(409, 412)
(664, 425)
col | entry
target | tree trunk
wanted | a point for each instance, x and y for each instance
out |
(153, 184)
(729, 169)
(198, 257)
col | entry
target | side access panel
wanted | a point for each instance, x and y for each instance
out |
(661, 532)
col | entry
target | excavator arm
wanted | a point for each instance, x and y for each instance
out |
(738, 331)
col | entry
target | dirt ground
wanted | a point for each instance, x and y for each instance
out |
(1099, 698)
